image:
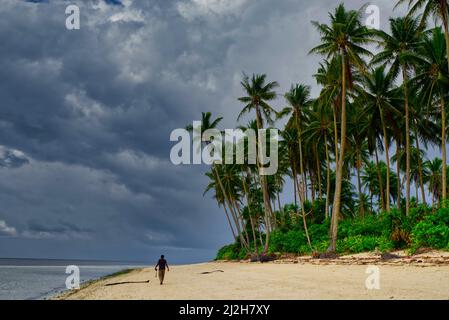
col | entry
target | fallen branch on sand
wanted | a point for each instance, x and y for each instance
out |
(207, 272)
(125, 282)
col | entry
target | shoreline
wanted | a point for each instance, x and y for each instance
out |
(65, 293)
(421, 276)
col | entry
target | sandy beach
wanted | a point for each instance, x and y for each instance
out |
(413, 279)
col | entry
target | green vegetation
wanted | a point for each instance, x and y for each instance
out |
(388, 231)
(355, 153)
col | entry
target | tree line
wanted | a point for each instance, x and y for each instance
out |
(390, 101)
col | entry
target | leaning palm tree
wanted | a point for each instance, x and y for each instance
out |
(219, 197)
(258, 94)
(216, 175)
(299, 101)
(343, 38)
(399, 49)
(432, 82)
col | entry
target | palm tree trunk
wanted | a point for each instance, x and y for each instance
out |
(359, 185)
(443, 137)
(318, 166)
(398, 169)
(443, 104)
(254, 234)
(304, 182)
(421, 178)
(279, 202)
(260, 234)
(416, 190)
(341, 157)
(312, 186)
(301, 199)
(229, 221)
(335, 133)
(379, 177)
(387, 156)
(328, 177)
(266, 196)
(292, 165)
(246, 191)
(336, 156)
(303, 214)
(240, 216)
(231, 208)
(407, 142)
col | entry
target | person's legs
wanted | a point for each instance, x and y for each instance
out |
(161, 275)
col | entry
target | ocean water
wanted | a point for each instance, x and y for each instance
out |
(27, 279)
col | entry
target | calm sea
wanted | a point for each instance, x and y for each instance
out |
(42, 278)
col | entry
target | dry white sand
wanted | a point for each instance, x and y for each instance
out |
(273, 281)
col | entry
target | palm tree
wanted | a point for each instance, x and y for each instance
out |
(216, 176)
(258, 94)
(438, 9)
(299, 101)
(343, 38)
(318, 132)
(432, 81)
(219, 197)
(416, 156)
(370, 180)
(433, 178)
(425, 130)
(380, 97)
(329, 76)
(399, 49)
(358, 152)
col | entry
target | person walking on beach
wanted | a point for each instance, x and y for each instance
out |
(162, 264)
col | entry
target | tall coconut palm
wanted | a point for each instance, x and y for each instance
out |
(432, 83)
(358, 153)
(439, 9)
(319, 132)
(424, 131)
(399, 49)
(343, 38)
(380, 97)
(329, 77)
(258, 95)
(299, 101)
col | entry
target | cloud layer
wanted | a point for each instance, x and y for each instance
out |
(86, 114)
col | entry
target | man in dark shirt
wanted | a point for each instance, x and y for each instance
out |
(162, 264)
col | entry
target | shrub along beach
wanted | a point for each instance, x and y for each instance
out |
(362, 156)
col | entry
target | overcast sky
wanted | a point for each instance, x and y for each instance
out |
(86, 115)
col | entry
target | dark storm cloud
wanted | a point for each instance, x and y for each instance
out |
(85, 116)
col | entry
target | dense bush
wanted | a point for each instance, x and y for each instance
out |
(432, 231)
(398, 226)
(383, 232)
(291, 241)
(231, 252)
(359, 243)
